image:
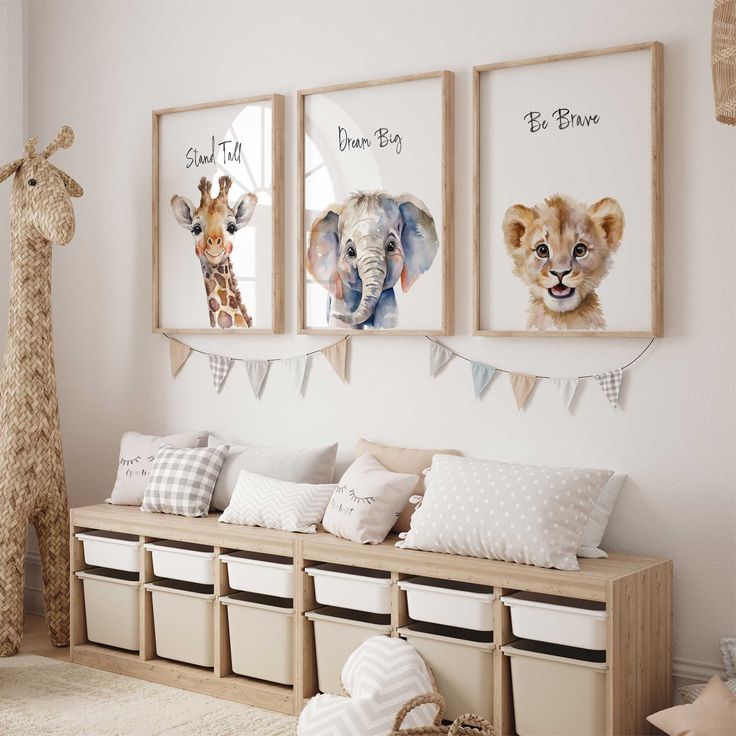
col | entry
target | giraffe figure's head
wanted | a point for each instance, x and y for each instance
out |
(41, 196)
(214, 223)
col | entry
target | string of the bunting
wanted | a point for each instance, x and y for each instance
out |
(523, 384)
(296, 366)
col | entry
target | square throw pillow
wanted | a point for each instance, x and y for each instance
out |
(402, 460)
(367, 501)
(712, 714)
(182, 480)
(316, 466)
(503, 511)
(137, 453)
(599, 518)
(277, 504)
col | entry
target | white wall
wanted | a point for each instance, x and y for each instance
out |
(102, 67)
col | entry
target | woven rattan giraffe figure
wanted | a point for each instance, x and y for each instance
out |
(213, 225)
(32, 484)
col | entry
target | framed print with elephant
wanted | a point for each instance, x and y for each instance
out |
(375, 203)
(567, 188)
(218, 217)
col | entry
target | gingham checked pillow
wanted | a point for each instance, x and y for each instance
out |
(182, 480)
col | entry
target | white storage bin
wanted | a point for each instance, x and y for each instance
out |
(355, 588)
(113, 550)
(183, 619)
(566, 621)
(258, 573)
(337, 634)
(449, 603)
(557, 691)
(261, 636)
(194, 563)
(111, 605)
(462, 664)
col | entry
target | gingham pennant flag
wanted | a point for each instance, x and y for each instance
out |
(439, 357)
(257, 371)
(219, 365)
(610, 384)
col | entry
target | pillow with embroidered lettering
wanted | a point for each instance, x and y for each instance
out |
(367, 501)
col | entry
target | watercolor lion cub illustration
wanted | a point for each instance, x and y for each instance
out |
(562, 249)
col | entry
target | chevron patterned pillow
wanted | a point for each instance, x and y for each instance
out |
(381, 675)
(277, 504)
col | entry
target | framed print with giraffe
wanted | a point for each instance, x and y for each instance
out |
(375, 163)
(218, 217)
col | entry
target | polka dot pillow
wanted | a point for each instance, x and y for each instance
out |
(502, 511)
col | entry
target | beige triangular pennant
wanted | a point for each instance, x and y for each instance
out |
(337, 357)
(178, 354)
(522, 385)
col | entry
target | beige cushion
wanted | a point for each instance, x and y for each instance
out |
(137, 453)
(367, 501)
(402, 460)
(712, 714)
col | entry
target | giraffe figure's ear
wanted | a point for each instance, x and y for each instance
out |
(72, 187)
(11, 168)
(183, 211)
(244, 209)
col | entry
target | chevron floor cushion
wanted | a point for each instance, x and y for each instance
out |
(380, 676)
(277, 504)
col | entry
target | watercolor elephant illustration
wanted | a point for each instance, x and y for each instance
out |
(213, 225)
(358, 251)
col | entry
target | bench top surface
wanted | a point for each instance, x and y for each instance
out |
(591, 581)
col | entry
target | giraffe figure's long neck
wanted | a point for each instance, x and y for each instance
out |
(29, 351)
(223, 296)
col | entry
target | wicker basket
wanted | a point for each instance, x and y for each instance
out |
(467, 725)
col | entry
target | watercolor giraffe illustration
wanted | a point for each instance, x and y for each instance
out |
(32, 483)
(213, 225)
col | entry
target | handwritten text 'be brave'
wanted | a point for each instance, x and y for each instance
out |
(562, 117)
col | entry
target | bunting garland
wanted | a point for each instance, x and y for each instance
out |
(522, 384)
(296, 367)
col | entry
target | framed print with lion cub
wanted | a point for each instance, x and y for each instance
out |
(568, 209)
(218, 217)
(375, 203)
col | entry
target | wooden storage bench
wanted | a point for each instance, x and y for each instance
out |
(637, 592)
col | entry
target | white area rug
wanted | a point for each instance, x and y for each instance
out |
(41, 696)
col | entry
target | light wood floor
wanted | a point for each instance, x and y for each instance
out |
(36, 639)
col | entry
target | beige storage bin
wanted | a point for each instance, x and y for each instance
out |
(338, 632)
(261, 636)
(558, 691)
(183, 618)
(111, 604)
(462, 663)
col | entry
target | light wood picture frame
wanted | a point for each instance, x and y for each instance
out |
(395, 137)
(557, 159)
(234, 284)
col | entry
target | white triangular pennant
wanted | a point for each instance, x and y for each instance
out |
(219, 365)
(178, 354)
(566, 388)
(439, 357)
(482, 374)
(610, 383)
(337, 357)
(257, 371)
(296, 370)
